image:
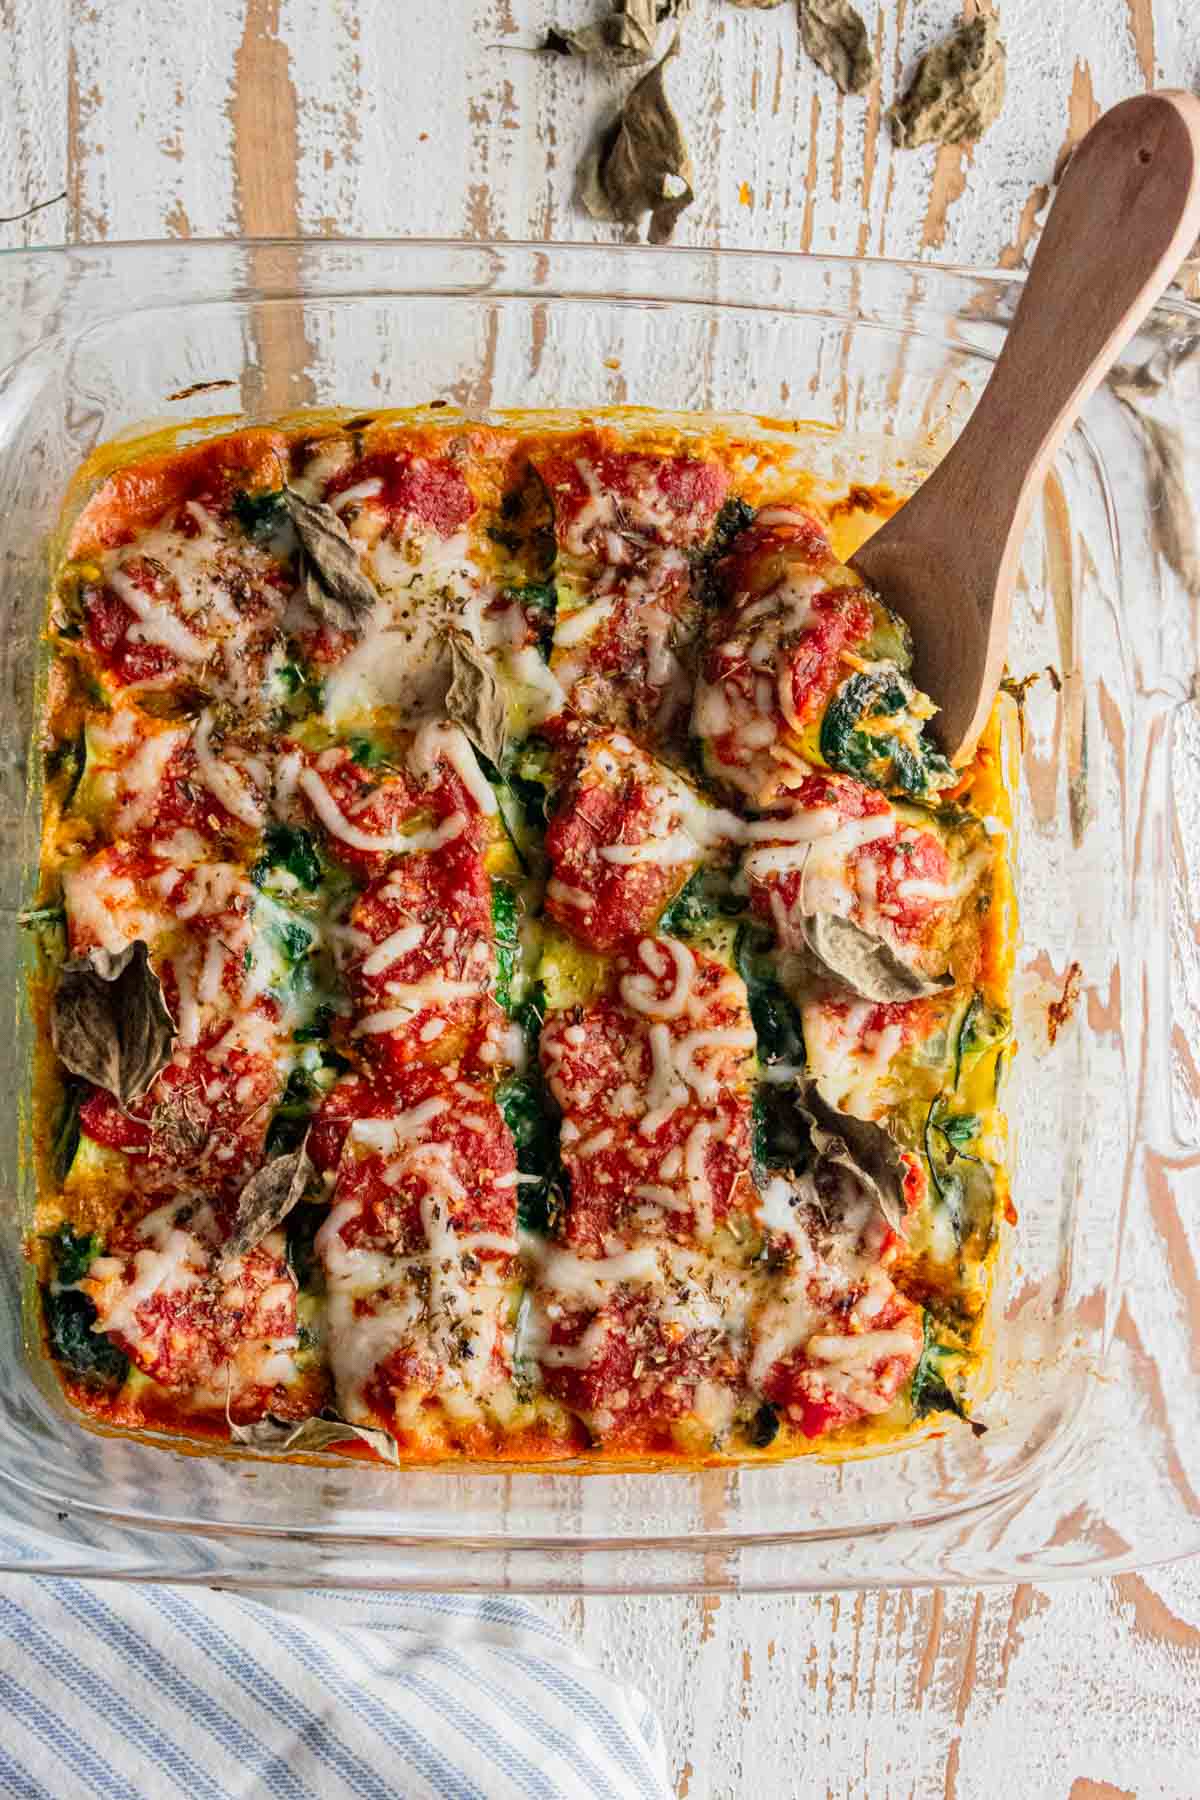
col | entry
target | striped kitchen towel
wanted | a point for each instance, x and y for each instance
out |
(145, 1692)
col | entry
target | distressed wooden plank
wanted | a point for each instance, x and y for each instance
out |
(961, 1694)
(33, 125)
(265, 137)
(269, 116)
(487, 138)
(151, 137)
(263, 113)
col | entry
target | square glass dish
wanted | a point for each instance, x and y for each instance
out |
(1092, 1455)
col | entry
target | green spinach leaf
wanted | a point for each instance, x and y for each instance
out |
(368, 754)
(70, 1317)
(735, 516)
(42, 918)
(763, 1428)
(690, 911)
(530, 1015)
(294, 939)
(980, 1028)
(508, 949)
(318, 1027)
(539, 600)
(534, 596)
(529, 772)
(775, 1019)
(526, 1108)
(291, 1117)
(931, 1392)
(306, 1086)
(260, 515)
(760, 1136)
(73, 1252)
(883, 759)
(291, 848)
(958, 1129)
(67, 760)
(302, 1225)
(66, 1132)
(296, 691)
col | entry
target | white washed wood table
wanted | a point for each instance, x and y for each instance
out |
(153, 118)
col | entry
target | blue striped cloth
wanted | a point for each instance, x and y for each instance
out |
(143, 1692)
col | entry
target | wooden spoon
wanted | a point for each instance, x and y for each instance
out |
(1126, 214)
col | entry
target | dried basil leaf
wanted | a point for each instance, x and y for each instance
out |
(1169, 458)
(1173, 515)
(641, 164)
(626, 35)
(110, 1023)
(263, 1434)
(862, 962)
(862, 1148)
(317, 1433)
(833, 33)
(335, 583)
(268, 1197)
(475, 700)
(956, 91)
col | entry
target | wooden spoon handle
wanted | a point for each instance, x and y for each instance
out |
(1126, 214)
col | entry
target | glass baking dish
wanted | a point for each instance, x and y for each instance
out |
(1092, 1457)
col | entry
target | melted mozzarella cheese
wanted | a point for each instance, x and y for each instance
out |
(224, 779)
(105, 908)
(584, 622)
(666, 1091)
(362, 490)
(398, 944)
(695, 1169)
(400, 661)
(851, 1073)
(405, 671)
(176, 1264)
(536, 694)
(678, 847)
(447, 1312)
(640, 991)
(597, 511)
(155, 622)
(141, 776)
(411, 996)
(339, 826)
(861, 1351)
(192, 565)
(386, 1135)
(590, 1279)
(438, 739)
(689, 1060)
